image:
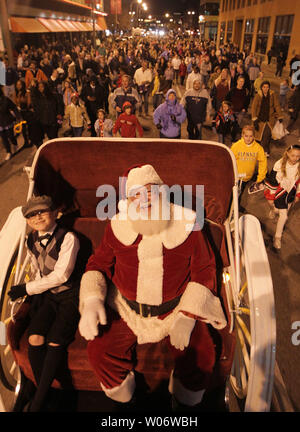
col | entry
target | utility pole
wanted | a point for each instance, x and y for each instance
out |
(94, 26)
(6, 32)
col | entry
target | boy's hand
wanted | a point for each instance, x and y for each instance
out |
(17, 291)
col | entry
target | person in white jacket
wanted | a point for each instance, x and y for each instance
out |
(192, 76)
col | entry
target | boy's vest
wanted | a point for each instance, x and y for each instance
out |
(48, 256)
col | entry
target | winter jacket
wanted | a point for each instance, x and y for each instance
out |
(197, 104)
(6, 117)
(162, 115)
(226, 123)
(240, 99)
(119, 96)
(128, 125)
(76, 115)
(274, 113)
(280, 188)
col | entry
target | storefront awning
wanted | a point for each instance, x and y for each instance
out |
(68, 25)
(45, 25)
(102, 23)
(52, 25)
(79, 25)
(26, 25)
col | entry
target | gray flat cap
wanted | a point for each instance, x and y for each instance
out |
(42, 202)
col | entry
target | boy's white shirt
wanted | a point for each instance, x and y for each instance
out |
(63, 268)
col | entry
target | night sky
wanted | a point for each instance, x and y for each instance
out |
(161, 6)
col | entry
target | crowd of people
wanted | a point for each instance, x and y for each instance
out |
(104, 93)
(107, 91)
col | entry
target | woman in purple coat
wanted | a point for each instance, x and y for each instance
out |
(169, 116)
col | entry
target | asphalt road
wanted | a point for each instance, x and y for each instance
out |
(285, 265)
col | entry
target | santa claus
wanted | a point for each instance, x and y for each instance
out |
(152, 277)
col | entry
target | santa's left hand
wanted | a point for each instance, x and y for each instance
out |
(181, 330)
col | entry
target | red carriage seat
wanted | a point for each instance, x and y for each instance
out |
(71, 170)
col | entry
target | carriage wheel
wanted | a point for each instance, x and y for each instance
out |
(9, 370)
(251, 378)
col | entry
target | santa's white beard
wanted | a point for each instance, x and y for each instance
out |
(154, 221)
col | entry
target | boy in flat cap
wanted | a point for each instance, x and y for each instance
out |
(54, 319)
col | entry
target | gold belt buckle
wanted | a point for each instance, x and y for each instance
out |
(141, 311)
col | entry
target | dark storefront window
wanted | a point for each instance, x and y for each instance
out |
(262, 34)
(209, 9)
(282, 34)
(229, 31)
(248, 37)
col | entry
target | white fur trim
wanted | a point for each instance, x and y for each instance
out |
(147, 330)
(123, 392)
(180, 227)
(182, 394)
(200, 301)
(138, 177)
(92, 284)
(122, 229)
(150, 270)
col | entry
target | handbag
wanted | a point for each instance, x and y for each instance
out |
(279, 131)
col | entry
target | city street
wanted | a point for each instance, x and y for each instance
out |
(284, 265)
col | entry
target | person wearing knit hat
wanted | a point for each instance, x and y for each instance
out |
(163, 276)
(127, 123)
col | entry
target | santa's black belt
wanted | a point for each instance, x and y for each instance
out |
(150, 310)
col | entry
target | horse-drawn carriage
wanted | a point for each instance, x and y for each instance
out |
(71, 170)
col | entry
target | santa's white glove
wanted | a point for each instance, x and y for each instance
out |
(93, 313)
(180, 331)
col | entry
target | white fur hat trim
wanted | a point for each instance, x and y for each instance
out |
(142, 176)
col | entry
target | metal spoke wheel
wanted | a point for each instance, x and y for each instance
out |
(9, 371)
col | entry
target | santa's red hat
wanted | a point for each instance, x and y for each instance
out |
(137, 176)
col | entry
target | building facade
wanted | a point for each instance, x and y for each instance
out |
(208, 19)
(260, 25)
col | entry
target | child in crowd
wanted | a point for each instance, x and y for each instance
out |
(248, 153)
(283, 92)
(283, 189)
(225, 122)
(128, 123)
(54, 296)
(103, 126)
(76, 115)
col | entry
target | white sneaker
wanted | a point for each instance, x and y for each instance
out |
(277, 243)
(8, 156)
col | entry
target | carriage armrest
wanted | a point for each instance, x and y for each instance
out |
(16, 329)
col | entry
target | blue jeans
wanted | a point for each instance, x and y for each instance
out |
(77, 131)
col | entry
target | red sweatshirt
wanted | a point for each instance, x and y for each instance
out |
(128, 125)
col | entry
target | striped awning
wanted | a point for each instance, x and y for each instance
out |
(26, 25)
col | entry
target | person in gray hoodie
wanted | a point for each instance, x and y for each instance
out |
(197, 103)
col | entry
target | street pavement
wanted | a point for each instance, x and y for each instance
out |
(285, 265)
